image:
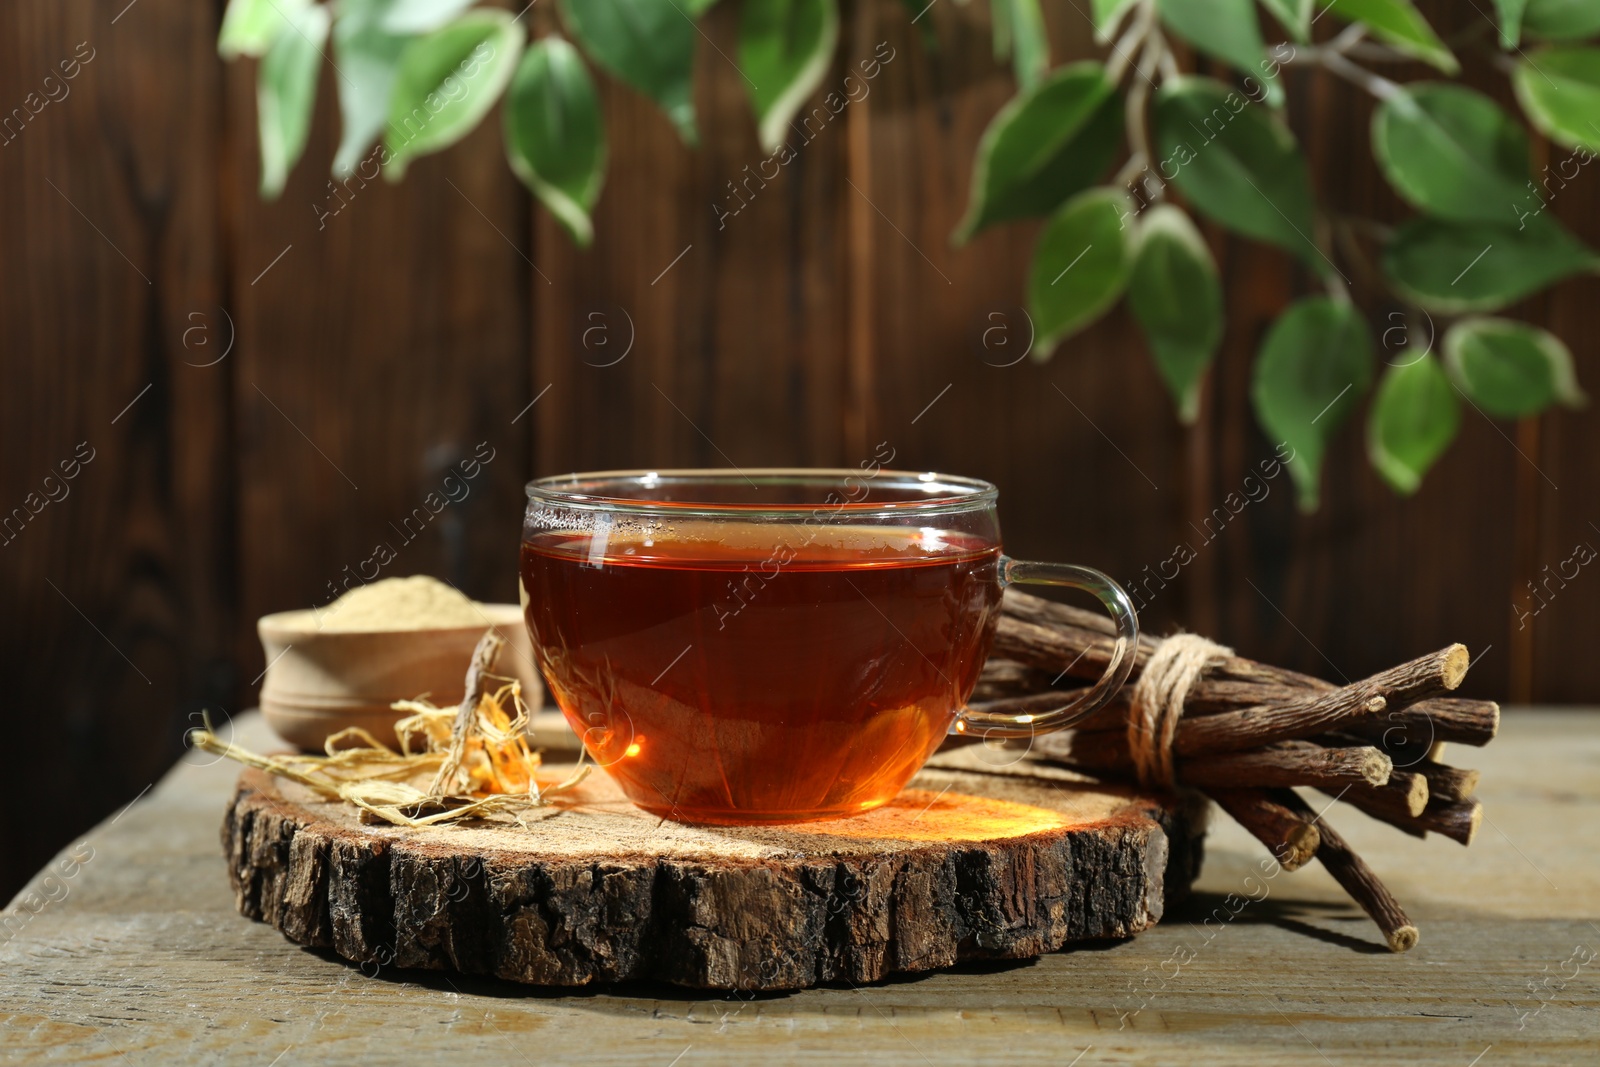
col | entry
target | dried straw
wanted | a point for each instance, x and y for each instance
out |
(475, 760)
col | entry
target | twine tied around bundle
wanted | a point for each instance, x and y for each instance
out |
(1157, 702)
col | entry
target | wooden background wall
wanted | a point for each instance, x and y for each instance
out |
(368, 351)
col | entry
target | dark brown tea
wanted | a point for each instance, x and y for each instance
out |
(735, 672)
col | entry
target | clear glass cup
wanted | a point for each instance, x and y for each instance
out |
(777, 645)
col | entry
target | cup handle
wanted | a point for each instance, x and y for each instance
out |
(1117, 605)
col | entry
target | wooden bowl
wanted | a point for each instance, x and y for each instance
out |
(319, 682)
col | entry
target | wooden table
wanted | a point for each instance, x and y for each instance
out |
(137, 957)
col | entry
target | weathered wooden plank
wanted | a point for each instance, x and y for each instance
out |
(398, 330)
(139, 950)
(706, 325)
(1344, 591)
(383, 338)
(115, 556)
(953, 384)
(1553, 602)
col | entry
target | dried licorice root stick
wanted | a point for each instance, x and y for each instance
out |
(1414, 680)
(1404, 795)
(1359, 880)
(1033, 625)
(1466, 722)
(483, 661)
(1457, 820)
(1289, 763)
(1449, 784)
(1286, 706)
(1037, 638)
(1284, 763)
(1288, 835)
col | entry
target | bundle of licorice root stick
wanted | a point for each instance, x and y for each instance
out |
(1194, 715)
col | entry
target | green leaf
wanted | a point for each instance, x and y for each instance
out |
(1400, 25)
(696, 8)
(1562, 20)
(1030, 45)
(1044, 146)
(1559, 89)
(1413, 420)
(1236, 164)
(1175, 295)
(1293, 15)
(368, 60)
(1510, 369)
(785, 47)
(250, 26)
(1107, 16)
(555, 138)
(448, 81)
(419, 16)
(1226, 29)
(1453, 266)
(1510, 12)
(1080, 266)
(649, 44)
(286, 92)
(1309, 376)
(1452, 152)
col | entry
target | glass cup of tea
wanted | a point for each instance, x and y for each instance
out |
(768, 646)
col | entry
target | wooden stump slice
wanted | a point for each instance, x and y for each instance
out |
(969, 862)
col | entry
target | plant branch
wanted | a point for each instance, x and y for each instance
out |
(1376, 84)
(1137, 114)
(1345, 231)
(1165, 63)
(1502, 62)
(1474, 31)
(1378, 53)
(1337, 285)
(1338, 291)
(1129, 44)
(1137, 162)
(1344, 235)
(1138, 135)
(1380, 231)
(1347, 38)
(1117, 20)
(1335, 56)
